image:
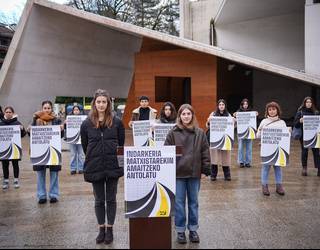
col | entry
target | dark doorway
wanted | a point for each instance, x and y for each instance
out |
(235, 82)
(174, 89)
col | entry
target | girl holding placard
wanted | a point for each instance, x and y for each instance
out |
(101, 134)
(272, 120)
(10, 119)
(307, 108)
(46, 117)
(195, 161)
(77, 155)
(220, 157)
(245, 145)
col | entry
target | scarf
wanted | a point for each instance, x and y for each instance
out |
(43, 119)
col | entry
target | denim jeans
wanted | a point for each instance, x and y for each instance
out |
(54, 185)
(245, 151)
(187, 188)
(265, 174)
(77, 157)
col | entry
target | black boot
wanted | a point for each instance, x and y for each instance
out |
(319, 172)
(181, 238)
(227, 173)
(101, 236)
(109, 236)
(214, 172)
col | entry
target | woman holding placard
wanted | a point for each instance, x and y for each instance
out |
(195, 161)
(101, 134)
(220, 157)
(77, 155)
(307, 108)
(10, 119)
(272, 120)
(245, 145)
(46, 117)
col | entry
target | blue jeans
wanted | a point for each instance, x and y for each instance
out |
(245, 157)
(54, 185)
(77, 157)
(265, 174)
(187, 188)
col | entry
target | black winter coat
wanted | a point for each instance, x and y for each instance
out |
(13, 122)
(302, 112)
(100, 147)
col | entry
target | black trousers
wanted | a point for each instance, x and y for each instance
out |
(105, 193)
(304, 156)
(5, 168)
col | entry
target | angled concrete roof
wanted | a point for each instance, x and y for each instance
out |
(139, 32)
(232, 11)
(61, 51)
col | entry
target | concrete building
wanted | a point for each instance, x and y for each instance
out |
(61, 51)
(6, 35)
(282, 32)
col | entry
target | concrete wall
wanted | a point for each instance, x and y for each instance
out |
(312, 39)
(277, 39)
(289, 93)
(61, 55)
(271, 31)
(196, 17)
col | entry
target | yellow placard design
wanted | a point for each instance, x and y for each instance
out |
(252, 134)
(227, 144)
(164, 210)
(318, 141)
(16, 152)
(282, 158)
(54, 157)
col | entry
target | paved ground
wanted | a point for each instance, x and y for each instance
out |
(233, 215)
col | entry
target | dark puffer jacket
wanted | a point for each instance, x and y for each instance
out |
(100, 147)
(195, 158)
(13, 122)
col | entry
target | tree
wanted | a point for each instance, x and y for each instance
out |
(160, 15)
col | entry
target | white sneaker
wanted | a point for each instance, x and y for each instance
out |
(5, 184)
(16, 183)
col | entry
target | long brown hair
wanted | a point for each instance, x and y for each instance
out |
(173, 115)
(303, 105)
(94, 114)
(193, 123)
(273, 105)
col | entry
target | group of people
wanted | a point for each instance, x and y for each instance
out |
(102, 132)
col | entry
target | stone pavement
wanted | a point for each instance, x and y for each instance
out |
(233, 215)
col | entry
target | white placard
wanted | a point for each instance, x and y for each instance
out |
(142, 133)
(275, 146)
(150, 181)
(45, 143)
(10, 143)
(222, 132)
(247, 125)
(311, 131)
(160, 133)
(73, 126)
